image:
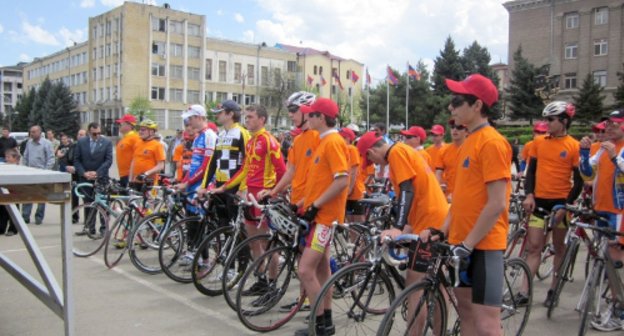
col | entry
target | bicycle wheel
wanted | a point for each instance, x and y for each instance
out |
(547, 258)
(238, 261)
(177, 250)
(145, 238)
(592, 299)
(259, 294)
(90, 234)
(361, 294)
(420, 300)
(563, 274)
(117, 242)
(516, 306)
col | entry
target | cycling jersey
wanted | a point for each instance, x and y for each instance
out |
(300, 156)
(484, 157)
(125, 149)
(608, 180)
(147, 154)
(447, 162)
(434, 151)
(229, 155)
(203, 150)
(556, 159)
(355, 161)
(593, 149)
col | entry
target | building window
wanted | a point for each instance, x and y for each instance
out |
(278, 77)
(291, 66)
(176, 27)
(348, 74)
(193, 73)
(237, 72)
(601, 15)
(159, 24)
(176, 50)
(600, 77)
(158, 48)
(572, 20)
(222, 71)
(333, 89)
(601, 47)
(320, 70)
(158, 69)
(193, 52)
(175, 95)
(209, 96)
(209, 69)
(251, 74)
(193, 29)
(264, 75)
(176, 71)
(569, 81)
(570, 51)
(221, 96)
(158, 93)
(192, 97)
(249, 99)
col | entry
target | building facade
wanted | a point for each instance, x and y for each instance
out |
(575, 37)
(11, 89)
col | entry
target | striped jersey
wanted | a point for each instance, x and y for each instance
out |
(229, 156)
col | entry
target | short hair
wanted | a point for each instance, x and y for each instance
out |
(12, 152)
(379, 143)
(93, 125)
(331, 122)
(6, 128)
(36, 126)
(236, 114)
(380, 126)
(260, 110)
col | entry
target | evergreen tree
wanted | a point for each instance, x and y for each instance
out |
(37, 113)
(60, 107)
(589, 101)
(618, 95)
(447, 65)
(476, 59)
(523, 102)
(421, 111)
(20, 120)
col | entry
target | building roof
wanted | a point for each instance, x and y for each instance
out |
(18, 67)
(311, 51)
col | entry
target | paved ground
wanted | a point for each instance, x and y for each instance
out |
(124, 301)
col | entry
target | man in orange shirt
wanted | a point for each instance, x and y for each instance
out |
(539, 128)
(437, 139)
(415, 137)
(125, 146)
(355, 210)
(553, 163)
(324, 203)
(446, 166)
(477, 222)
(149, 154)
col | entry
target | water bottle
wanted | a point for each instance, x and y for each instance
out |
(333, 265)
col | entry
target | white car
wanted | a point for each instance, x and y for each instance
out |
(19, 136)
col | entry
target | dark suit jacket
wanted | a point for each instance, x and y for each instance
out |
(100, 161)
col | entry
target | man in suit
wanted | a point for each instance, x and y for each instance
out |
(93, 156)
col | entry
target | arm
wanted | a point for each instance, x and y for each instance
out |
(156, 169)
(108, 160)
(495, 205)
(577, 187)
(586, 169)
(78, 161)
(285, 181)
(352, 177)
(212, 168)
(529, 182)
(49, 153)
(406, 196)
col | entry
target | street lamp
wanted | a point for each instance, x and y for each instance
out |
(260, 46)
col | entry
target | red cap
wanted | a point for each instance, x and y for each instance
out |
(326, 106)
(129, 118)
(213, 127)
(187, 136)
(601, 126)
(540, 127)
(476, 85)
(295, 131)
(416, 131)
(347, 133)
(366, 142)
(437, 129)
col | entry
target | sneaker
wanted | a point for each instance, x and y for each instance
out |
(82, 233)
(267, 298)
(203, 270)
(187, 259)
(521, 299)
(612, 324)
(320, 331)
(549, 298)
(120, 244)
(10, 233)
(229, 276)
(288, 307)
(259, 288)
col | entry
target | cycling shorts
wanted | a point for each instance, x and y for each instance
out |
(319, 237)
(537, 219)
(253, 214)
(354, 208)
(485, 275)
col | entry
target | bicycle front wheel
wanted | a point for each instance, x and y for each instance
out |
(547, 258)
(516, 306)
(592, 300)
(178, 248)
(211, 254)
(144, 241)
(117, 242)
(563, 274)
(89, 234)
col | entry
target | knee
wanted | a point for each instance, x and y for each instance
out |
(306, 274)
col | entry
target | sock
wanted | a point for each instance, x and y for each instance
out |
(320, 321)
(327, 313)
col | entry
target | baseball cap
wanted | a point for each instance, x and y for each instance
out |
(227, 105)
(416, 131)
(617, 116)
(437, 129)
(365, 143)
(596, 128)
(194, 110)
(540, 127)
(476, 85)
(354, 128)
(295, 131)
(128, 118)
(347, 133)
(325, 106)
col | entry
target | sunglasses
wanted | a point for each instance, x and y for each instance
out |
(551, 119)
(407, 137)
(459, 100)
(315, 114)
(293, 109)
(458, 127)
(94, 134)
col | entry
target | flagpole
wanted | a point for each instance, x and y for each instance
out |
(367, 108)
(388, 105)
(352, 90)
(407, 98)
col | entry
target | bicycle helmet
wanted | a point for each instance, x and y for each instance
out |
(300, 98)
(283, 220)
(149, 124)
(558, 108)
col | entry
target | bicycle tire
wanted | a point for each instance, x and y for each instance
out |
(145, 238)
(175, 249)
(591, 299)
(565, 266)
(358, 293)
(87, 238)
(262, 312)
(546, 266)
(396, 316)
(517, 272)
(117, 242)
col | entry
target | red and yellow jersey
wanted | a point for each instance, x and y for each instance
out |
(264, 164)
(447, 162)
(603, 194)
(330, 161)
(556, 158)
(125, 150)
(300, 156)
(356, 161)
(429, 206)
(484, 157)
(434, 151)
(147, 154)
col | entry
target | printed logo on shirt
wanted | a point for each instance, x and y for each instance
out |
(563, 154)
(466, 163)
(308, 152)
(145, 152)
(316, 161)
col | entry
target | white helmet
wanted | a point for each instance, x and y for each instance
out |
(301, 98)
(283, 220)
(557, 108)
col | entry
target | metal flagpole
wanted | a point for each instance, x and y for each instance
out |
(351, 97)
(387, 104)
(367, 109)
(407, 97)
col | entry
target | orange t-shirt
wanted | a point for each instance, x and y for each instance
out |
(593, 149)
(300, 156)
(356, 160)
(147, 154)
(329, 161)
(447, 162)
(427, 157)
(177, 157)
(434, 151)
(556, 158)
(526, 149)
(484, 157)
(125, 150)
(603, 194)
(429, 206)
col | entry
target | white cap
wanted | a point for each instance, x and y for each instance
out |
(194, 110)
(353, 127)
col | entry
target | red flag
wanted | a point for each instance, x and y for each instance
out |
(310, 80)
(354, 77)
(337, 79)
(323, 81)
(412, 72)
(391, 77)
(368, 78)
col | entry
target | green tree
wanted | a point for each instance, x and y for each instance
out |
(618, 95)
(447, 65)
(589, 101)
(523, 102)
(277, 89)
(60, 107)
(21, 121)
(37, 113)
(141, 108)
(476, 59)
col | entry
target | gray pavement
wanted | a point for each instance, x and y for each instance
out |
(124, 301)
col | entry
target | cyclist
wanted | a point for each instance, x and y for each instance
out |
(599, 130)
(553, 162)
(437, 139)
(355, 210)
(446, 166)
(477, 222)
(539, 128)
(324, 202)
(125, 146)
(149, 154)
(415, 137)
(608, 195)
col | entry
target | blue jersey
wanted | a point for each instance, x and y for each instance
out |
(203, 150)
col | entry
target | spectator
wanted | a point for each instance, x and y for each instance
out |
(37, 154)
(72, 170)
(61, 152)
(6, 142)
(12, 157)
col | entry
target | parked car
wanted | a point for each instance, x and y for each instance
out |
(19, 136)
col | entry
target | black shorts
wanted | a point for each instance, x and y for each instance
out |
(354, 208)
(547, 204)
(485, 275)
(419, 256)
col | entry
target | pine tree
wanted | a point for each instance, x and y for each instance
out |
(523, 102)
(21, 121)
(476, 59)
(447, 65)
(618, 95)
(589, 101)
(36, 116)
(61, 116)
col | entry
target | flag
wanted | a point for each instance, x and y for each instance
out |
(310, 80)
(412, 72)
(368, 78)
(323, 81)
(354, 77)
(391, 77)
(337, 79)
